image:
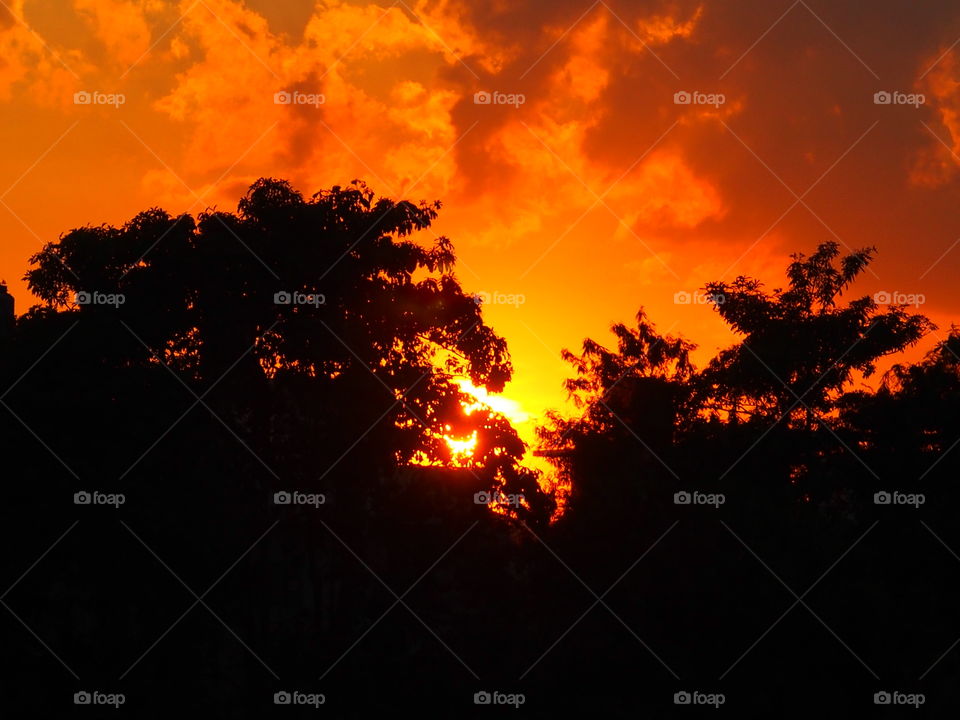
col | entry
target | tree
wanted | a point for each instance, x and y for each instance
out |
(629, 400)
(311, 319)
(800, 348)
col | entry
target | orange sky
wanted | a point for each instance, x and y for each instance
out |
(595, 195)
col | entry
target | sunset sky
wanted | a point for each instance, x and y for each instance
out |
(582, 191)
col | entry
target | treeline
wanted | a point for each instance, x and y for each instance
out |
(227, 477)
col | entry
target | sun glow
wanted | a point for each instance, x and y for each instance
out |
(510, 409)
(462, 449)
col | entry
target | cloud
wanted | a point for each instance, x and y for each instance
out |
(28, 64)
(121, 26)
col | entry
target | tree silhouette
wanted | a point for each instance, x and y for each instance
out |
(799, 347)
(311, 318)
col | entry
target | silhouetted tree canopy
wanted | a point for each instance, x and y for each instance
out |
(800, 347)
(370, 356)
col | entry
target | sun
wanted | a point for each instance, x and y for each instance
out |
(509, 408)
(463, 448)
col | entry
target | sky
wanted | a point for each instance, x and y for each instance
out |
(591, 157)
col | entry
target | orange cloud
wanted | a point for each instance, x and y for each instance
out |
(121, 26)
